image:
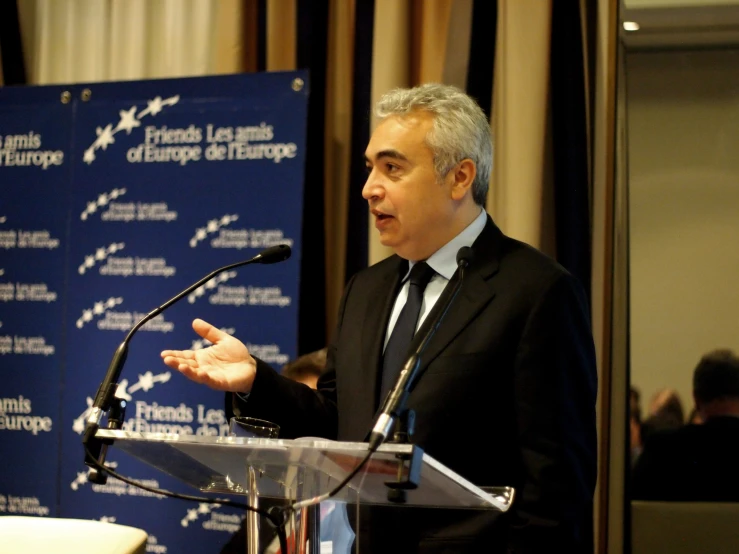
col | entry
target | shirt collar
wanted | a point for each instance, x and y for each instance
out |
(444, 260)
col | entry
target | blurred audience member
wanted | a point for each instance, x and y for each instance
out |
(635, 423)
(698, 462)
(695, 417)
(665, 413)
(307, 368)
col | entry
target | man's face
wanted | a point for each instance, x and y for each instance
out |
(413, 211)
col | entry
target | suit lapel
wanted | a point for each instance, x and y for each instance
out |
(477, 291)
(380, 301)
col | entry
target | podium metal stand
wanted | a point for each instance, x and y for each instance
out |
(302, 469)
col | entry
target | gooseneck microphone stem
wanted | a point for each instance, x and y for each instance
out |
(108, 387)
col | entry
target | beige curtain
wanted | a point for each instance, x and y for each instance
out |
(281, 35)
(72, 41)
(281, 55)
(337, 146)
(521, 195)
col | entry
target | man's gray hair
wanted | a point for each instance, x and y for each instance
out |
(460, 129)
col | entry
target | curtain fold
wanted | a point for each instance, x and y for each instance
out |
(521, 183)
(312, 28)
(337, 148)
(570, 114)
(73, 41)
(12, 64)
(281, 35)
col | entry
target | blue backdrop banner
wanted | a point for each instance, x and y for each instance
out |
(114, 197)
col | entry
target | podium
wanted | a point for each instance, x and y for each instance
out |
(301, 469)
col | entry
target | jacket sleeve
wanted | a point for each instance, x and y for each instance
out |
(555, 392)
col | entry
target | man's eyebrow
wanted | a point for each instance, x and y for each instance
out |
(387, 154)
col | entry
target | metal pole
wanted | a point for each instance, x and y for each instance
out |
(252, 517)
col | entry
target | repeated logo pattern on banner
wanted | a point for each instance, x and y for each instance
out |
(111, 203)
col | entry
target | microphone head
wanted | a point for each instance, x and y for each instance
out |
(465, 255)
(273, 254)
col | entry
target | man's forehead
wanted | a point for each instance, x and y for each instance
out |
(398, 136)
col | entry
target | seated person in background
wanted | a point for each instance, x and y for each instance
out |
(695, 417)
(697, 462)
(635, 423)
(665, 413)
(307, 368)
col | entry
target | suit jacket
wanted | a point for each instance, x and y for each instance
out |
(511, 369)
(696, 463)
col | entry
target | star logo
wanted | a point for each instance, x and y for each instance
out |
(101, 254)
(128, 121)
(98, 309)
(102, 200)
(212, 227)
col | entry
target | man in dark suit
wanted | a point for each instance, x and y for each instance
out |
(507, 387)
(697, 463)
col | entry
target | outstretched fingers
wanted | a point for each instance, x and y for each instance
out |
(177, 359)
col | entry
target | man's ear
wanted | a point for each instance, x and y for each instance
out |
(463, 175)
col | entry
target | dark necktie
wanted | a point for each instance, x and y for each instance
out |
(397, 349)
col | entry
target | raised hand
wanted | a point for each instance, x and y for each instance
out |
(226, 365)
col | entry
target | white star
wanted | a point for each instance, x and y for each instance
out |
(89, 261)
(121, 392)
(203, 508)
(87, 315)
(128, 120)
(102, 199)
(89, 155)
(146, 381)
(100, 254)
(105, 136)
(92, 207)
(201, 233)
(212, 225)
(154, 106)
(99, 308)
(78, 426)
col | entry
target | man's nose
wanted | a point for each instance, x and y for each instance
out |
(372, 187)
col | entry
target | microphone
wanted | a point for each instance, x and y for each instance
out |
(395, 400)
(106, 391)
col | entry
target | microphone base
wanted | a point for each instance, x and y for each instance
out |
(409, 465)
